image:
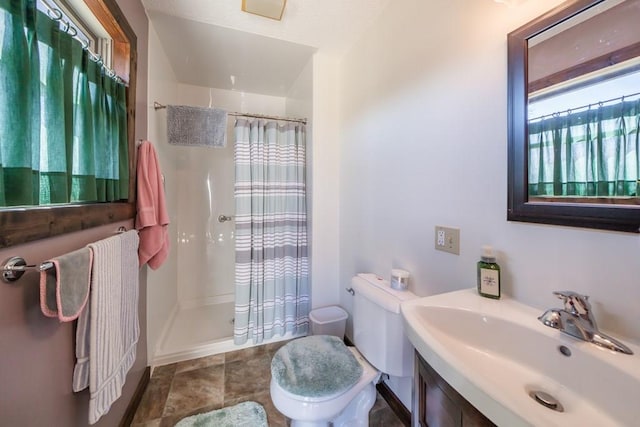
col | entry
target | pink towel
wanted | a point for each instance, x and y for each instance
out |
(152, 219)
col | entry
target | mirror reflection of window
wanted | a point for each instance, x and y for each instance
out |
(584, 106)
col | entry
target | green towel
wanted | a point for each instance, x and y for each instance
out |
(245, 414)
(315, 366)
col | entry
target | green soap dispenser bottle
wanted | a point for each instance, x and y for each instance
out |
(488, 274)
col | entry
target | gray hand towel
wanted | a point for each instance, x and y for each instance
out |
(196, 126)
(64, 288)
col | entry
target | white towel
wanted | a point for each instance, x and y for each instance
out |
(108, 329)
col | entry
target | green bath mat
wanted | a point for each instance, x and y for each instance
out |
(245, 414)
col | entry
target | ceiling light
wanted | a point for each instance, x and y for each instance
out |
(268, 8)
(509, 3)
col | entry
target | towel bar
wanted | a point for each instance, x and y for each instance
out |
(13, 268)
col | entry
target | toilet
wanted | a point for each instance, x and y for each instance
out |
(319, 381)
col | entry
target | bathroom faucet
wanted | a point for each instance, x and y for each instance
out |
(576, 319)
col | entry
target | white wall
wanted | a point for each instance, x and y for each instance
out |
(423, 142)
(232, 101)
(324, 154)
(299, 100)
(162, 291)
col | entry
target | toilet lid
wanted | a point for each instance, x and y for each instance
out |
(315, 366)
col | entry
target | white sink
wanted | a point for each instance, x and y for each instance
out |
(494, 352)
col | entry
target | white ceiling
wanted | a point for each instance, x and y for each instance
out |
(208, 41)
(208, 55)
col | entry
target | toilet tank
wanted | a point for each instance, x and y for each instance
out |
(378, 332)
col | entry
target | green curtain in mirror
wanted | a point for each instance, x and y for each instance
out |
(63, 123)
(592, 153)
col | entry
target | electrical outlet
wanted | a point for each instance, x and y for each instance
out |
(447, 239)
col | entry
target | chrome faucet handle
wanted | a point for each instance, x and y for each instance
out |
(577, 320)
(577, 304)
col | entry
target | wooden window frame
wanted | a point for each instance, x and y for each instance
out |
(22, 225)
(592, 65)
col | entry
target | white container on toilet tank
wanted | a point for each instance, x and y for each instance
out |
(378, 332)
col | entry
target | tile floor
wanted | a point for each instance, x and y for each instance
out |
(200, 385)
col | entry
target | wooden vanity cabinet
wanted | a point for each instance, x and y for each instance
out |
(439, 405)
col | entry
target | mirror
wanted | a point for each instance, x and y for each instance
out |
(574, 116)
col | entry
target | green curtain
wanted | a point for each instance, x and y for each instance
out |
(63, 120)
(592, 153)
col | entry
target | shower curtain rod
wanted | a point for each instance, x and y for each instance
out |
(158, 106)
(599, 104)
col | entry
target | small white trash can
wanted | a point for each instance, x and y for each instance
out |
(330, 320)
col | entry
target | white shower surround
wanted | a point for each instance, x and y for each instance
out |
(190, 300)
(204, 247)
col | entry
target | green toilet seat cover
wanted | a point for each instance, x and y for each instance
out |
(315, 366)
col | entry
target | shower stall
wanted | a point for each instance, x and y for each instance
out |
(203, 205)
(203, 248)
(197, 286)
(191, 298)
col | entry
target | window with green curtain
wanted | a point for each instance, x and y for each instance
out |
(63, 118)
(592, 153)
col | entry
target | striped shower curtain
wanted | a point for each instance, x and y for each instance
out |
(272, 273)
